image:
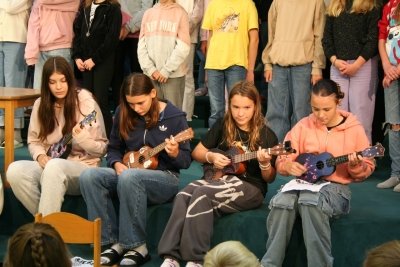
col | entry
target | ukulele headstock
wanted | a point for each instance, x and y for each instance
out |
(374, 151)
(184, 135)
(282, 149)
(88, 119)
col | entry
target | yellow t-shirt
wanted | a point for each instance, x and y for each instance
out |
(230, 22)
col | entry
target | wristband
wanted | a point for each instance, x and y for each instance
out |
(207, 157)
(264, 167)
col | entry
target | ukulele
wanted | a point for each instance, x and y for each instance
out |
(63, 148)
(324, 164)
(146, 157)
(238, 157)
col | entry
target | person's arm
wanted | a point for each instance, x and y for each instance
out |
(272, 14)
(252, 54)
(35, 145)
(196, 15)
(135, 22)
(181, 49)
(15, 6)
(204, 155)
(318, 63)
(32, 44)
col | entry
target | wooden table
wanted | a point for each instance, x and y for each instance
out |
(10, 99)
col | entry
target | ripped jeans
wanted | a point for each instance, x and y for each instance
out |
(392, 114)
(315, 209)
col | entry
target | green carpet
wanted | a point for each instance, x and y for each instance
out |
(374, 219)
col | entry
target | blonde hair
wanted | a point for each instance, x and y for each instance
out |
(230, 254)
(336, 7)
(385, 255)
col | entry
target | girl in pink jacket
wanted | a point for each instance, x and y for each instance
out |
(327, 129)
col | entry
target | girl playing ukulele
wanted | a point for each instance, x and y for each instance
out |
(42, 183)
(140, 120)
(187, 235)
(327, 129)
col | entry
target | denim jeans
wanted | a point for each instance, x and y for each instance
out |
(45, 55)
(135, 189)
(288, 97)
(216, 88)
(315, 209)
(392, 114)
(13, 70)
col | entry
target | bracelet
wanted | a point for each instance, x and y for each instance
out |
(207, 157)
(264, 167)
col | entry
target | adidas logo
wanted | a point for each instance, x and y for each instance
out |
(162, 128)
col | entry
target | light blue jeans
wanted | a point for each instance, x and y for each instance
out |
(315, 210)
(13, 70)
(392, 114)
(134, 188)
(216, 88)
(288, 97)
(43, 56)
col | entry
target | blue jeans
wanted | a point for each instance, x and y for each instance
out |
(288, 97)
(216, 88)
(315, 210)
(13, 70)
(392, 114)
(134, 188)
(45, 55)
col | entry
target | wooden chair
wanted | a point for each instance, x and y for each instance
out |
(75, 230)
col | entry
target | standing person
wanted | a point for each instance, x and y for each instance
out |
(97, 30)
(166, 23)
(140, 120)
(195, 10)
(231, 49)
(291, 73)
(327, 129)
(49, 33)
(42, 183)
(350, 43)
(187, 235)
(14, 17)
(126, 58)
(389, 47)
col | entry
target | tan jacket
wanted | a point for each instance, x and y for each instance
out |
(295, 31)
(14, 16)
(88, 146)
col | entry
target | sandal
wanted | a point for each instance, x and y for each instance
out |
(109, 257)
(132, 258)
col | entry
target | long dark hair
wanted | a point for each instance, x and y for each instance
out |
(248, 90)
(136, 84)
(47, 116)
(37, 244)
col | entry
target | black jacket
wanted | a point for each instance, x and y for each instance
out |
(103, 35)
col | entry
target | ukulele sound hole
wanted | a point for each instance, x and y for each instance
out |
(320, 165)
(142, 159)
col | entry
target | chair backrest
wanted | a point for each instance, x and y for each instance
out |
(75, 230)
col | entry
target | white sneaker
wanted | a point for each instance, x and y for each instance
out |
(168, 262)
(193, 264)
(391, 182)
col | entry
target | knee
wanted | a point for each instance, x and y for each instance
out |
(14, 173)
(129, 179)
(87, 177)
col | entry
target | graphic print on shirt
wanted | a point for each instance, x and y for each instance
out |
(228, 21)
(393, 39)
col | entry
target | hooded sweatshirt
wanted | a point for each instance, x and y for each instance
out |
(87, 147)
(164, 41)
(50, 27)
(310, 136)
(171, 122)
(14, 16)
